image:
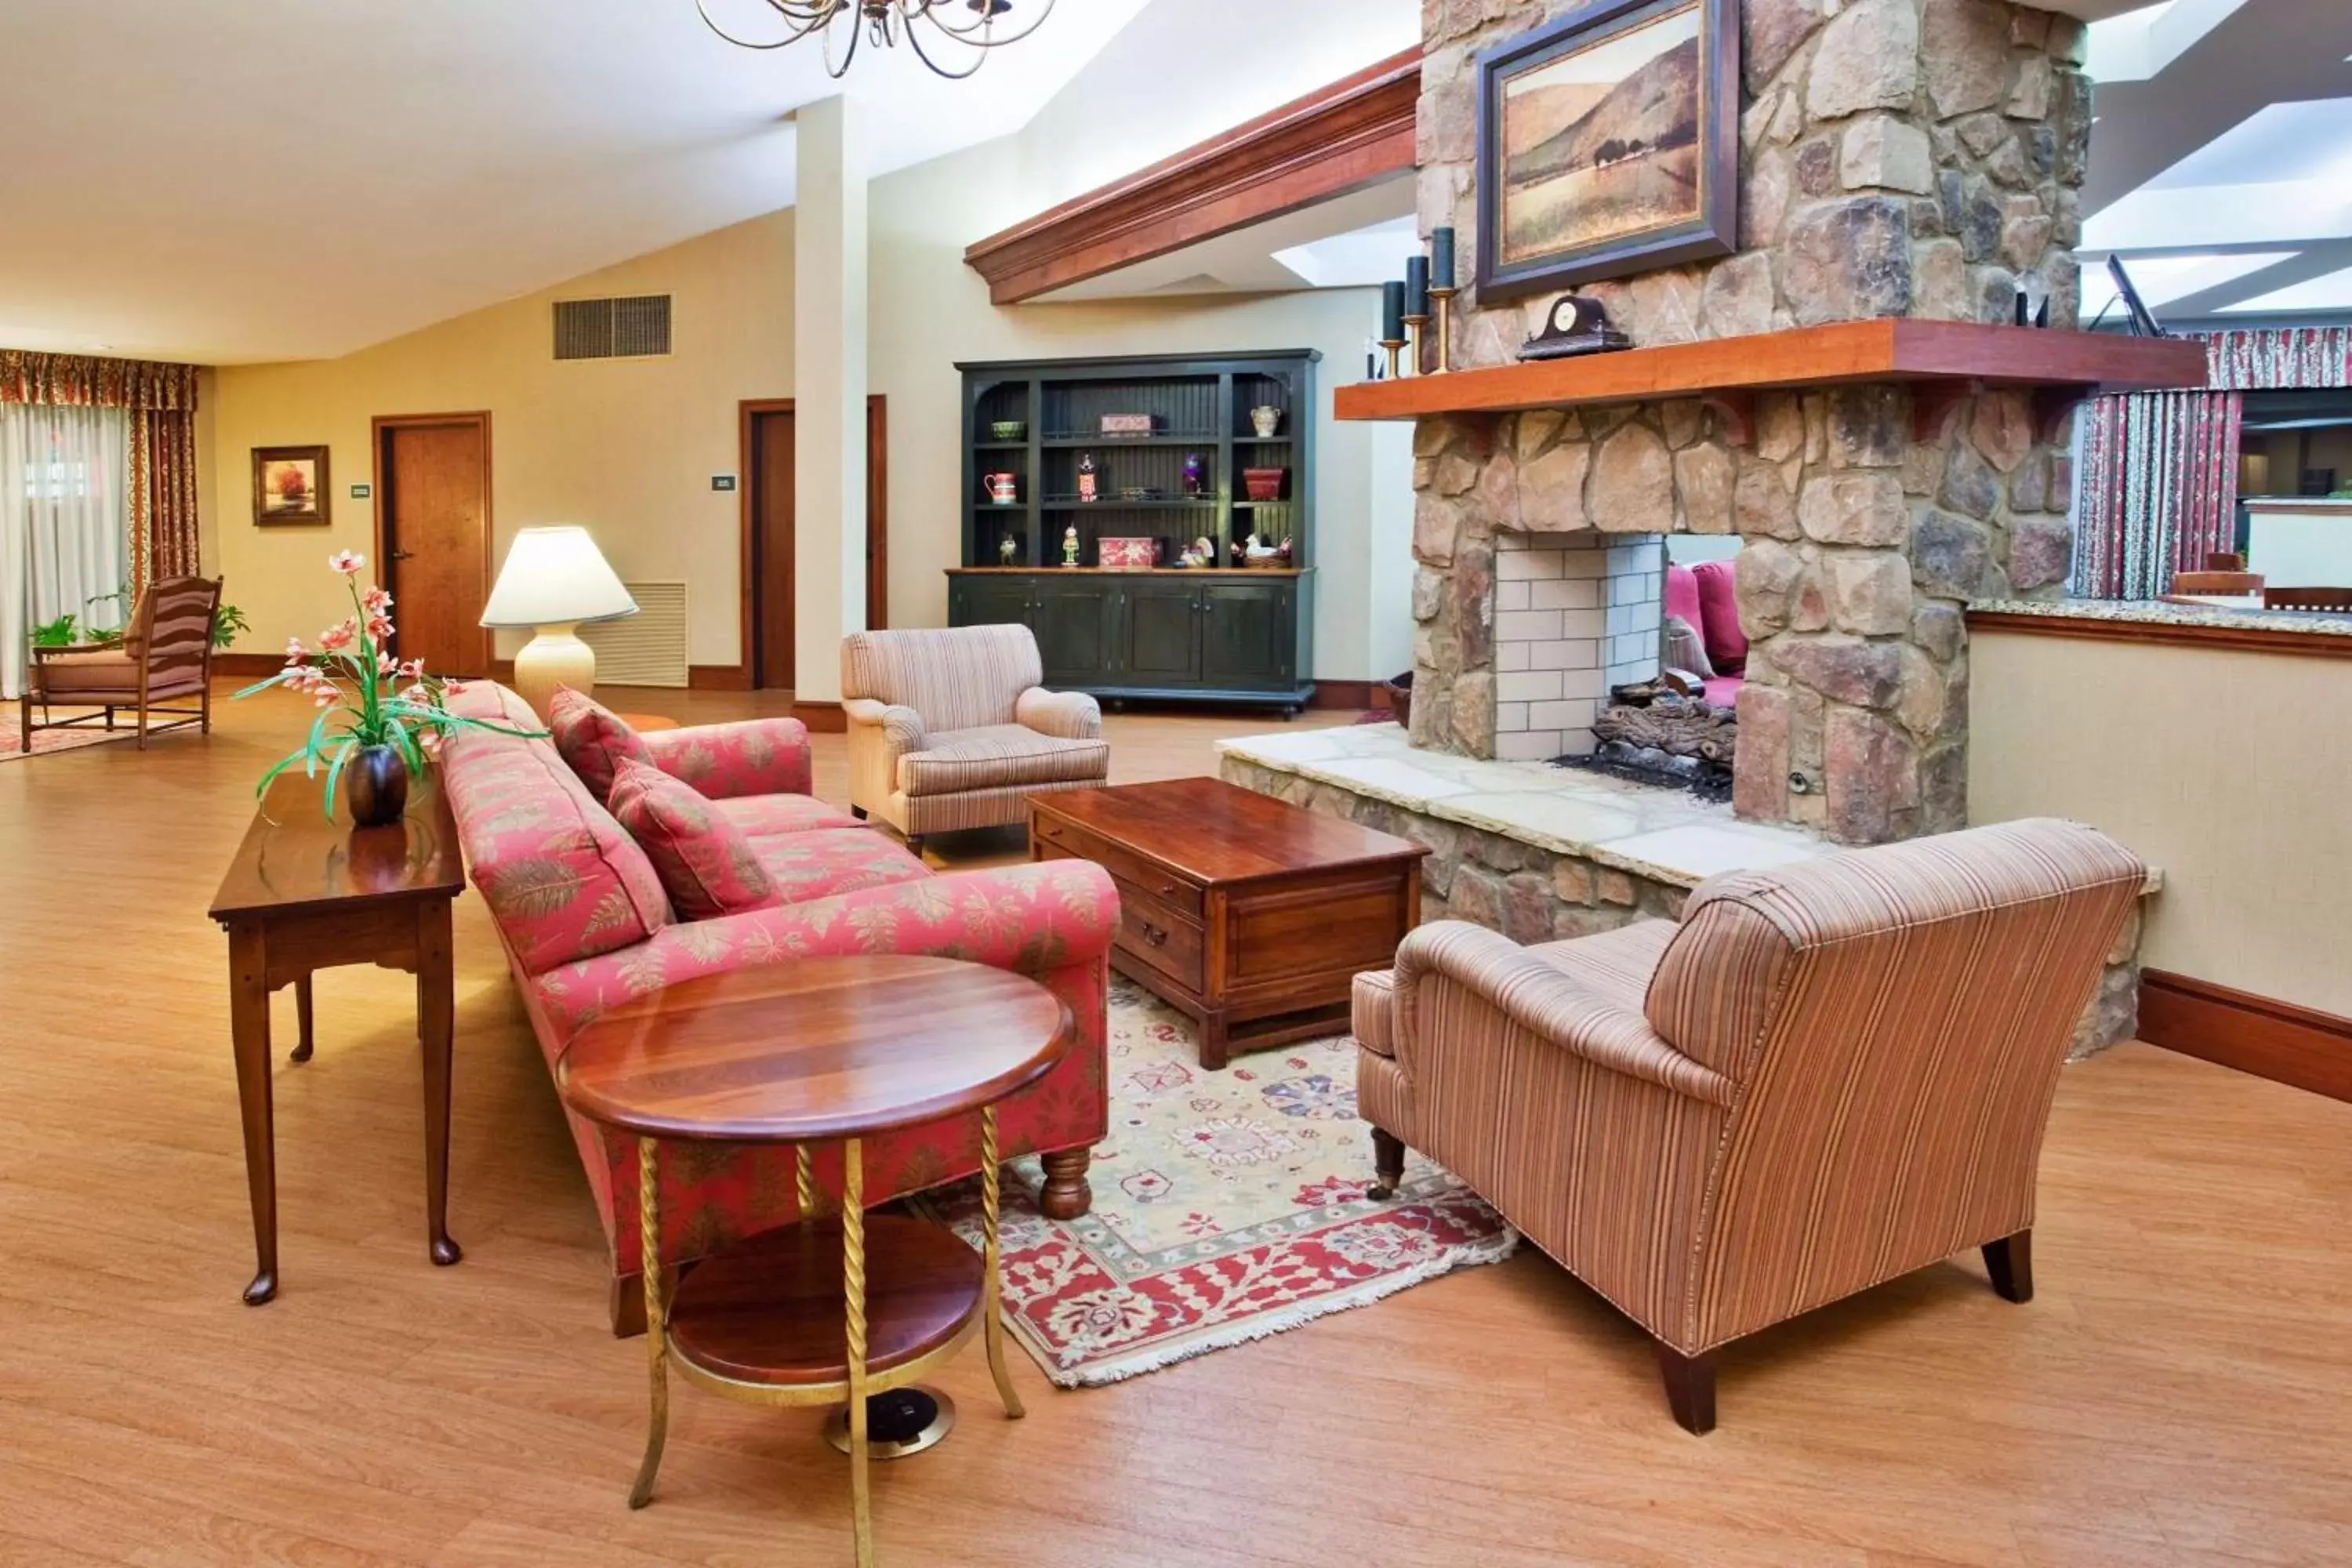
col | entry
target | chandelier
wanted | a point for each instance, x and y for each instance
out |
(963, 43)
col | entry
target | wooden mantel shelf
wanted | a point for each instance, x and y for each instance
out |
(1957, 357)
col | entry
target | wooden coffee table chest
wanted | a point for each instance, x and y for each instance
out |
(1250, 915)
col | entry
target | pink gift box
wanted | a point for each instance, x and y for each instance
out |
(1137, 553)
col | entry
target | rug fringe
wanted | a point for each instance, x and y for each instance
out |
(1262, 1325)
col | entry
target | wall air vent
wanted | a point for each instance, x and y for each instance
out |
(648, 649)
(627, 327)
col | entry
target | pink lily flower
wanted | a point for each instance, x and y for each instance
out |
(346, 561)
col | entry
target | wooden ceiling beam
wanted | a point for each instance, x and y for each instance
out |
(1353, 133)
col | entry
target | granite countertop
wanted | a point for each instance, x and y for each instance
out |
(2160, 612)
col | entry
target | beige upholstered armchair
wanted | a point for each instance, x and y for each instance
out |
(950, 729)
(165, 655)
(1819, 1077)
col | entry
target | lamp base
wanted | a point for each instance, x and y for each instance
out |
(556, 657)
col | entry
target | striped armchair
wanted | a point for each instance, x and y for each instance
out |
(165, 654)
(1821, 1077)
(950, 729)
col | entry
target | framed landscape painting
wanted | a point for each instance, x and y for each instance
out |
(290, 486)
(1608, 143)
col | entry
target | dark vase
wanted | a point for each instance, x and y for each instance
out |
(376, 779)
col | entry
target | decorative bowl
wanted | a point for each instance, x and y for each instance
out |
(1008, 430)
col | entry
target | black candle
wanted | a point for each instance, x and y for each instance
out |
(1392, 312)
(1441, 247)
(1416, 285)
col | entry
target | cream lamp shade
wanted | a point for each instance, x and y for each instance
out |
(553, 579)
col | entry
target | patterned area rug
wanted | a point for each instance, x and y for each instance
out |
(12, 736)
(1228, 1205)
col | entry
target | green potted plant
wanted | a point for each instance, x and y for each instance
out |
(380, 735)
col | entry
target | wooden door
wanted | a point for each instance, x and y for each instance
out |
(432, 536)
(1246, 638)
(771, 548)
(769, 580)
(1159, 643)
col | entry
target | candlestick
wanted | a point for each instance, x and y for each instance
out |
(1392, 311)
(1444, 296)
(1441, 265)
(1395, 346)
(1414, 325)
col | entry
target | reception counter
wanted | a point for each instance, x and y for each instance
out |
(2300, 540)
(2218, 744)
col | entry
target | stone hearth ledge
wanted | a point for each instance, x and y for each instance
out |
(1666, 835)
(1542, 853)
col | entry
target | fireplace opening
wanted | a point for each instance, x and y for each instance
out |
(1664, 732)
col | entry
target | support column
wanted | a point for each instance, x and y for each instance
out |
(829, 394)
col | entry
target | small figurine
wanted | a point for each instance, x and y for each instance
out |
(1254, 553)
(1007, 549)
(1200, 552)
(1196, 473)
(1087, 476)
(1070, 545)
(1283, 550)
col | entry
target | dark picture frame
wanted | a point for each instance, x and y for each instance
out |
(275, 505)
(1704, 146)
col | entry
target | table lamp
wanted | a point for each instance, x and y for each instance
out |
(553, 579)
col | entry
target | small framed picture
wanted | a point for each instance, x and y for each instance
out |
(290, 486)
(1608, 143)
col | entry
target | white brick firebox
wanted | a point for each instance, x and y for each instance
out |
(1573, 615)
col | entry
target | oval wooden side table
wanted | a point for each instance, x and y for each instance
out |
(831, 1309)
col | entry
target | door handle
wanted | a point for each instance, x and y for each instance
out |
(403, 556)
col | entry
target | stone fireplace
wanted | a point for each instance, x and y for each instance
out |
(1912, 158)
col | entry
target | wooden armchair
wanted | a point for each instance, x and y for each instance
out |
(165, 653)
(1822, 1077)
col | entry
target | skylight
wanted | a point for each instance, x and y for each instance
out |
(2331, 292)
(1358, 258)
(2163, 279)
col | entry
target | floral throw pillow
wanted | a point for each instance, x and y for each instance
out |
(594, 739)
(705, 862)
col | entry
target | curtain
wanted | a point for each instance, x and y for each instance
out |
(2160, 489)
(160, 475)
(162, 494)
(2160, 468)
(65, 517)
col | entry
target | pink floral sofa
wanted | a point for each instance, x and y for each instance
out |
(586, 926)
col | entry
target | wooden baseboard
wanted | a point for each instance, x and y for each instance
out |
(2259, 1035)
(822, 718)
(718, 678)
(247, 666)
(1357, 696)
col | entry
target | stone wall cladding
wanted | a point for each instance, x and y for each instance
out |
(1898, 158)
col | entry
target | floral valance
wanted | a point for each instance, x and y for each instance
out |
(82, 381)
(2279, 359)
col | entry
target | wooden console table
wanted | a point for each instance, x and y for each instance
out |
(1250, 915)
(305, 894)
(834, 1309)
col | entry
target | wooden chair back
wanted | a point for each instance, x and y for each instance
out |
(2308, 598)
(170, 629)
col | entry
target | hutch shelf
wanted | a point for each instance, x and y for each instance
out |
(1222, 634)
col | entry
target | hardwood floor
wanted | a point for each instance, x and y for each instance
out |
(2178, 1392)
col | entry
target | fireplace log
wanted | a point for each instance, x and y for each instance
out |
(1679, 726)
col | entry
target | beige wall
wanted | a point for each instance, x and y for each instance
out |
(626, 446)
(931, 310)
(2249, 827)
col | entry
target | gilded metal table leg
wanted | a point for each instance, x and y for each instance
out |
(656, 1326)
(991, 1308)
(804, 1191)
(853, 1292)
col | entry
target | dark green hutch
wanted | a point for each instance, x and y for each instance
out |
(1225, 633)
